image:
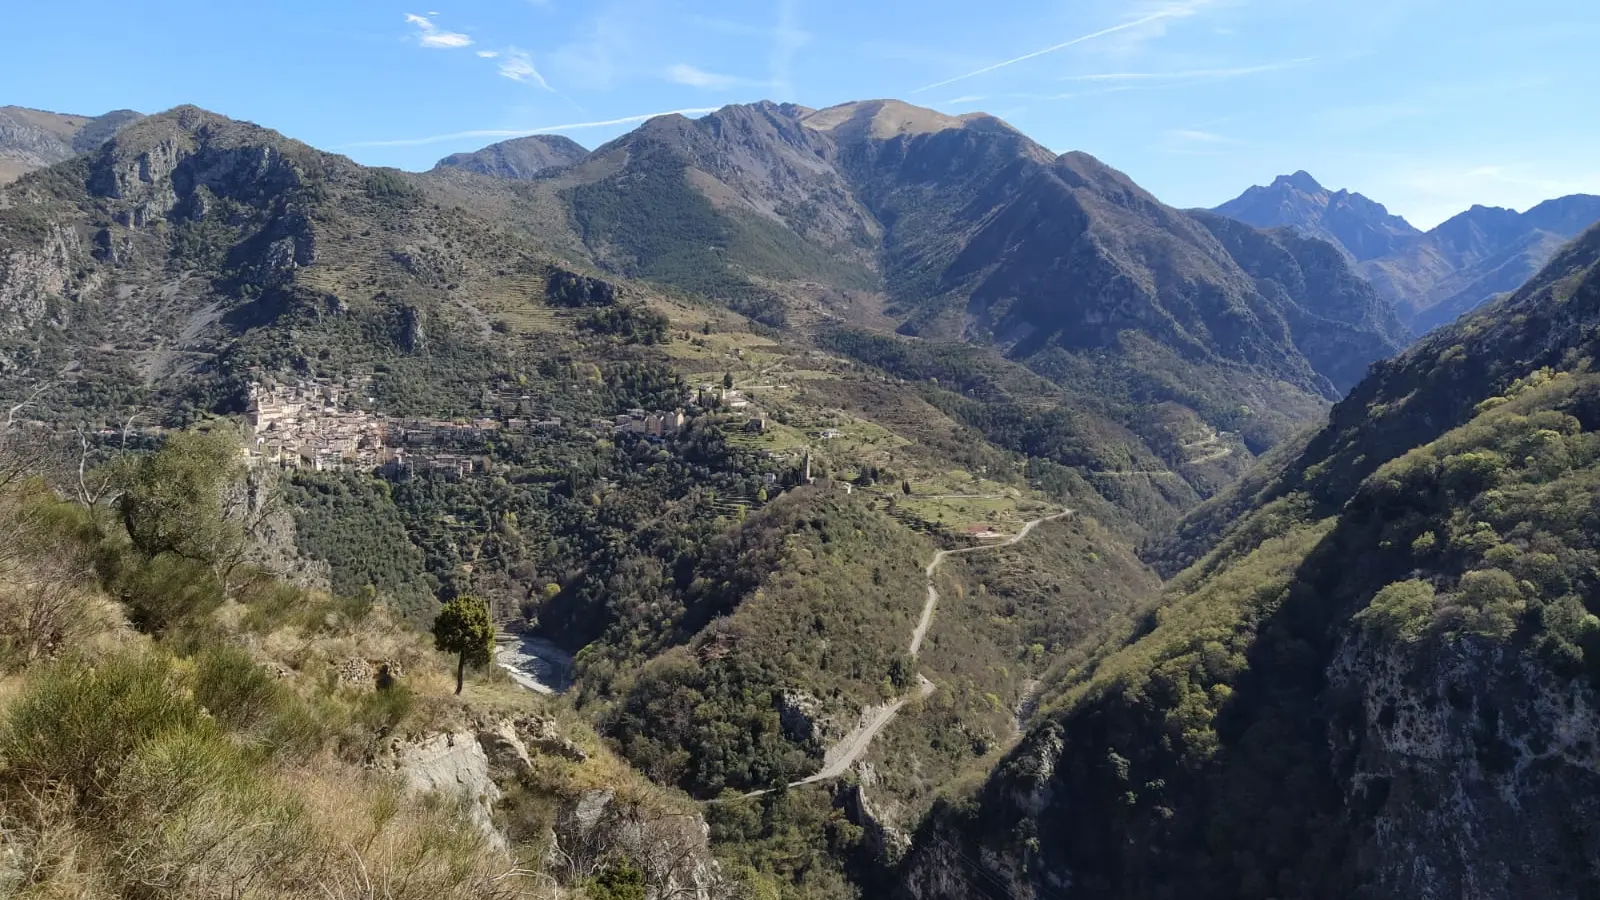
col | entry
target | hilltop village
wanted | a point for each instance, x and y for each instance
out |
(323, 425)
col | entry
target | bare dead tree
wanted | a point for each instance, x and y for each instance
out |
(90, 491)
(20, 458)
(11, 414)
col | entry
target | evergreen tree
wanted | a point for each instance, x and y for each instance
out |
(463, 628)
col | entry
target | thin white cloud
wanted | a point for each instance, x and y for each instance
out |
(430, 35)
(741, 29)
(1193, 74)
(691, 76)
(966, 100)
(518, 66)
(1197, 136)
(1173, 11)
(685, 74)
(788, 39)
(524, 132)
(488, 54)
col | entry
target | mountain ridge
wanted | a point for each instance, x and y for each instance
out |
(930, 212)
(33, 138)
(1434, 276)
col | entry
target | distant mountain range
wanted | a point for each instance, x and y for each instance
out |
(32, 139)
(1432, 277)
(840, 226)
(963, 228)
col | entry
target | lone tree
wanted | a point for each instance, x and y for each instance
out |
(463, 628)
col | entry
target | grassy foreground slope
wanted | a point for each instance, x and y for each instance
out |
(177, 722)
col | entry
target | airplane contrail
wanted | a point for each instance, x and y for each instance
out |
(1153, 17)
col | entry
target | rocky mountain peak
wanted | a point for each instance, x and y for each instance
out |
(1359, 226)
(881, 120)
(1300, 181)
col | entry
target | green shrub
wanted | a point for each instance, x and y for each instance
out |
(234, 689)
(1400, 611)
(384, 710)
(167, 591)
(77, 725)
(190, 814)
(179, 500)
(618, 881)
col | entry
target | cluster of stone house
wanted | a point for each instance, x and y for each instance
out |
(650, 424)
(321, 425)
(313, 425)
(308, 425)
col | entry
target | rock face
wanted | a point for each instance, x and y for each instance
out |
(454, 765)
(805, 718)
(477, 765)
(1454, 753)
(518, 159)
(672, 849)
(883, 826)
(1434, 277)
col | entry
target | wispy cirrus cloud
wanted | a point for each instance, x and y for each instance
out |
(1198, 140)
(488, 54)
(1200, 136)
(788, 39)
(1174, 10)
(690, 76)
(1218, 74)
(431, 35)
(525, 132)
(517, 65)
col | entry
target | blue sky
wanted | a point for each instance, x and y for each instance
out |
(1426, 105)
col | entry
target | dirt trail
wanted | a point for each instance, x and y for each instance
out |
(842, 755)
(942, 555)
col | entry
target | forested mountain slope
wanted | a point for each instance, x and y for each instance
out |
(481, 398)
(880, 216)
(1380, 678)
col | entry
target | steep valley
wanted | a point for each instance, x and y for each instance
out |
(912, 511)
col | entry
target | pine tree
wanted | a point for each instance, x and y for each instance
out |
(463, 628)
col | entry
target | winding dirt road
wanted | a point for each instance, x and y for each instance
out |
(939, 558)
(842, 755)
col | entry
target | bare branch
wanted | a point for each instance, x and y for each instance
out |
(11, 414)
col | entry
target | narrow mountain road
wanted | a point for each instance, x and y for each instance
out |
(942, 555)
(850, 748)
